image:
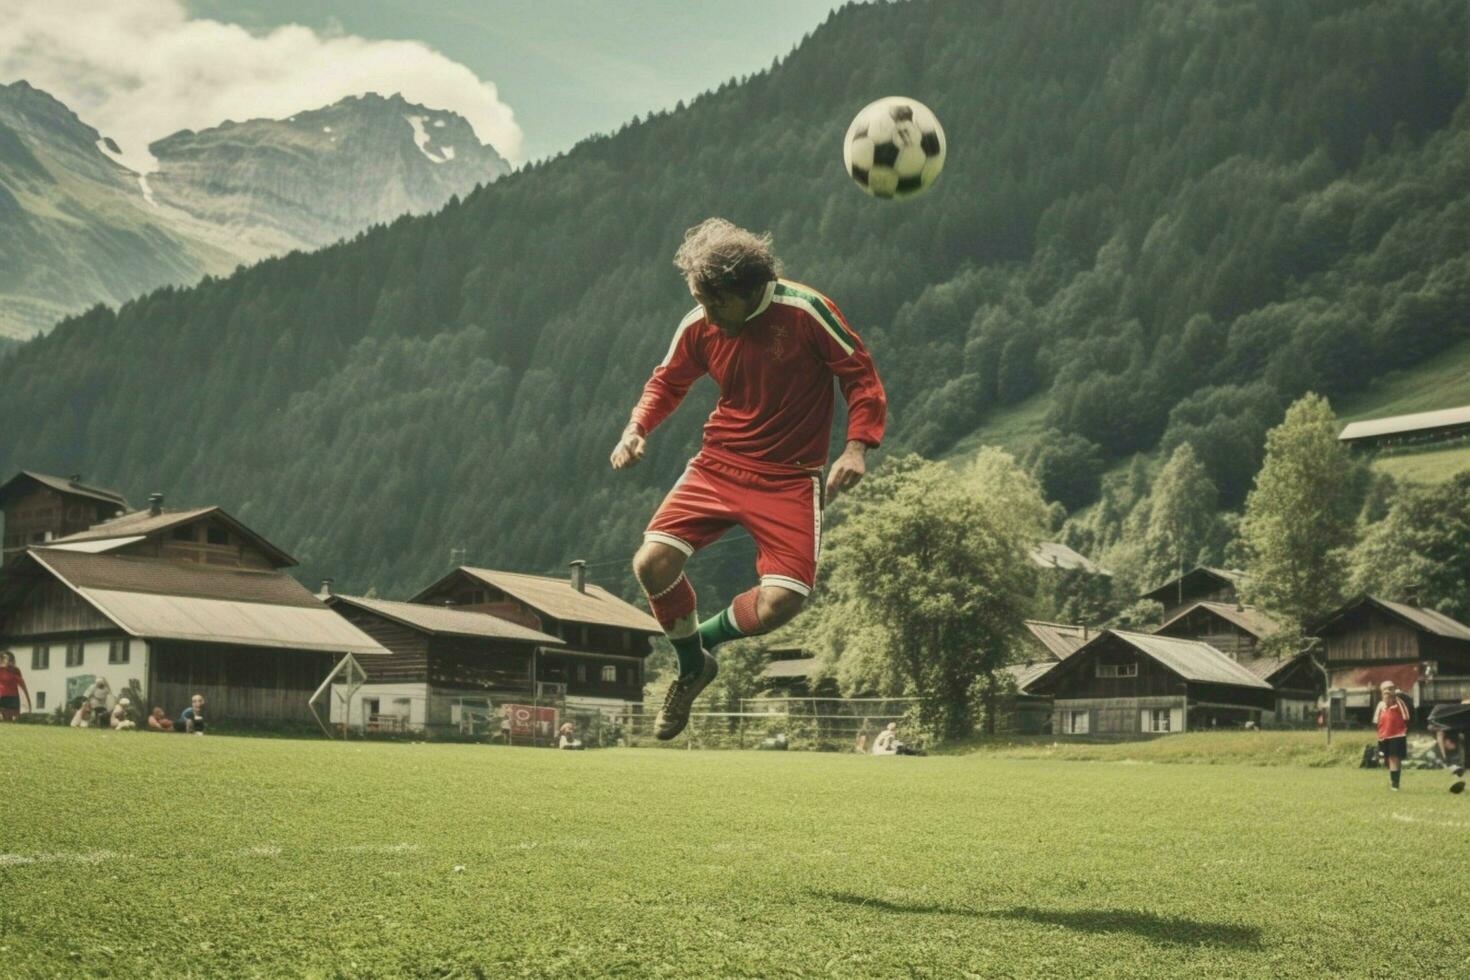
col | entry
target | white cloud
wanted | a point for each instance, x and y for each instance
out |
(139, 70)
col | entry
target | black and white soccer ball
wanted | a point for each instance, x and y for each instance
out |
(894, 148)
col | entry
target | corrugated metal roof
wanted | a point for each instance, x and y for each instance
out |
(1396, 424)
(458, 622)
(1267, 667)
(64, 485)
(173, 617)
(162, 576)
(1249, 618)
(1059, 639)
(1427, 619)
(139, 522)
(1192, 659)
(556, 598)
(1054, 554)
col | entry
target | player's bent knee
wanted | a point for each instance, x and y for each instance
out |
(778, 606)
(657, 565)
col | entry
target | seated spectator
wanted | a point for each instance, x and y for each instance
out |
(120, 720)
(83, 717)
(566, 737)
(887, 741)
(159, 722)
(192, 720)
(98, 695)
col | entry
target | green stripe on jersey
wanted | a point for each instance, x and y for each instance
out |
(817, 304)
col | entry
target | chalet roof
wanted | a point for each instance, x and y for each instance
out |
(1054, 554)
(1416, 617)
(1193, 660)
(160, 599)
(1400, 424)
(64, 485)
(1249, 618)
(556, 598)
(447, 621)
(1060, 639)
(145, 523)
(1025, 675)
(1225, 576)
(801, 667)
(1268, 667)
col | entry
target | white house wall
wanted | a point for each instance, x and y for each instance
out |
(54, 681)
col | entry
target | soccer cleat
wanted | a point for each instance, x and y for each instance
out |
(1458, 786)
(674, 715)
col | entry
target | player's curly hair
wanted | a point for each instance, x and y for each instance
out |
(720, 257)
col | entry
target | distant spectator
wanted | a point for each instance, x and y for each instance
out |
(11, 686)
(192, 720)
(83, 717)
(887, 741)
(120, 720)
(566, 737)
(98, 695)
(1392, 718)
(160, 722)
(861, 748)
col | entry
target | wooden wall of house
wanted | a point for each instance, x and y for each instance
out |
(1080, 680)
(51, 608)
(1111, 716)
(409, 648)
(476, 664)
(1368, 636)
(582, 674)
(192, 543)
(239, 684)
(30, 517)
(1223, 635)
(1301, 681)
(1229, 694)
(1451, 656)
(1209, 590)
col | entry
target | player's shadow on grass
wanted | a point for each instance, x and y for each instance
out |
(1176, 930)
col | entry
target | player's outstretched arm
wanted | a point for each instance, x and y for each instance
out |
(629, 449)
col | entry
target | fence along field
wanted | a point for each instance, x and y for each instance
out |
(133, 855)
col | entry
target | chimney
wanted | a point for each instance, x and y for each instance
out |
(579, 575)
(326, 591)
(74, 479)
(155, 504)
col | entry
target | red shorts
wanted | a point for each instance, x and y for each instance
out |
(782, 513)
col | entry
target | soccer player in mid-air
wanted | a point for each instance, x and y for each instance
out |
(774, 347)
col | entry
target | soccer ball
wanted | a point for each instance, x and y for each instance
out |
(894, 148)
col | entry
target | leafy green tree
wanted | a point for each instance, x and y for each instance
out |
(1299, 518)
(1182, 516)
(1420, 552)
(1068, 468)
(928, 580)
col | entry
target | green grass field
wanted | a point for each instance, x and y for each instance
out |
(142, 855)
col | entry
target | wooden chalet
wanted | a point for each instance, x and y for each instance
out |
(39, 509)
(1027, 710)
(253, 641)
(1124, 683)
(789, 674)
(1370, 640)
(1237, 630)
(448, 671)
(1201, 584)
(1420, 428)
(604, 641)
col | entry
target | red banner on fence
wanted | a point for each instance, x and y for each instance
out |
(528, 720)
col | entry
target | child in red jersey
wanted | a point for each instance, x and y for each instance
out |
(774, 347)
(12, 684)
(1392, 718)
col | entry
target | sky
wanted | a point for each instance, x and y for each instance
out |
(532, 76)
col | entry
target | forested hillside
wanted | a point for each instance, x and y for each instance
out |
(1173, 216)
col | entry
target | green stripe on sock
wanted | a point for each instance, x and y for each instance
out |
(718, 629)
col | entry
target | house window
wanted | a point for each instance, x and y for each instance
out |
(1157, 720)
(40, 657)
(581, 673)
(1117, 670)
(609, 674)
(118, 652)
(40, 699)
(184, 533)
(1076, 722)
(217, 535)
(74, 654)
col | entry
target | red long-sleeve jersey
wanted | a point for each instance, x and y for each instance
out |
(775, 379)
